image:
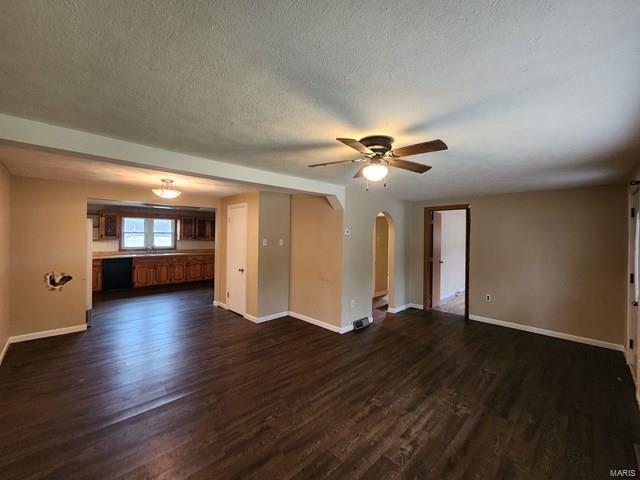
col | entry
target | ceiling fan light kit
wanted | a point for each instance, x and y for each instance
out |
(378, 154)
(375, 172)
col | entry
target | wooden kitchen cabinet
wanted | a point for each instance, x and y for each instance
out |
(187, 228)
(179, 270)
(109, 226)
(143, 274)
(162, 273)
(96, 276)
(209, 268)
(171, 269)
(195, 271)
(203, 229)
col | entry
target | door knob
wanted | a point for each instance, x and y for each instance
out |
(635, 304)
(241, 270)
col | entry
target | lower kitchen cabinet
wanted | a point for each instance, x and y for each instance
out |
(209, 268)
(195, 271)
(162, 273)
(179, 270)
(143, 273)
(96, 276)
(165, 270)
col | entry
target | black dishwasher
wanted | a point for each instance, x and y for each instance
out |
(117, 274)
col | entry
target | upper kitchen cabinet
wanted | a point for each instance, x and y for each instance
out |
(187, 228)
(203, 229)
(109, 226)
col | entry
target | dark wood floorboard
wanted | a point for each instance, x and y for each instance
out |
(168, 386)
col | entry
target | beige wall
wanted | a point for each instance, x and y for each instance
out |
(453, 231)
(316, 259)
(552, 259)
(5, 240)
(381, 253)
(357, 261)
(252, 201)
(273, 259)
(48, 233)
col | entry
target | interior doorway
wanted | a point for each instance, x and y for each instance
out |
(446, 259)
(382, 281)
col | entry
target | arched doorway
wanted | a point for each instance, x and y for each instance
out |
(383, 264)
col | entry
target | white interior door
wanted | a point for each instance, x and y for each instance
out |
(237, 258)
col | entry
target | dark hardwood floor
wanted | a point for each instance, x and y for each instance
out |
(167, 386)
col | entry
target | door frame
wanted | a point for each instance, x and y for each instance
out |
(244, 205)
(428, 244)
(632, 330)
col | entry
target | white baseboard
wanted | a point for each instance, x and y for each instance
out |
(4, 349)
(404, 307)
(398, 309)
(47, 333)
(549, 333)
(265, 318)
(320, 323)
(216, 303)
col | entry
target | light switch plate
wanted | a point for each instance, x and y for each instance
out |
(264, 242)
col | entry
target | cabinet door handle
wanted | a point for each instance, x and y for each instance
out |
(241, 270)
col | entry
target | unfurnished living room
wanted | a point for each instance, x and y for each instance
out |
(319, 239)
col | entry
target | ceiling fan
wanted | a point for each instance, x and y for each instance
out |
(378, 155)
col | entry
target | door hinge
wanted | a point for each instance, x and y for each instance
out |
(631, 343)
(631, 278)
(633, 212)
(227, 294)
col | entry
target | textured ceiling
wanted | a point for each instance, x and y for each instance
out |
(27, 162)
(528, 94)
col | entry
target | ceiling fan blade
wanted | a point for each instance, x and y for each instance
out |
(334, 163)
(406, 165)
(355, 144)
(425, 147)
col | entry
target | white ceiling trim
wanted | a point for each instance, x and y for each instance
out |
(110, 149)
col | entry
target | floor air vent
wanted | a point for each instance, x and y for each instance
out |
(360, 324)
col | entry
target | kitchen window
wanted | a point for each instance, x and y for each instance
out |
(141, 233)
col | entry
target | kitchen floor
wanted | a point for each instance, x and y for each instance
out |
(108, 305)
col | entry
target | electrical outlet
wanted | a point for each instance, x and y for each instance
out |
(281, 242)
(264, 242)
(353, 303)
(487, 298)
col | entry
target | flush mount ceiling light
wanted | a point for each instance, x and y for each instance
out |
(375, 172)
(166, 190)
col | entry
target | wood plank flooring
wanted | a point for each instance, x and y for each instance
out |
(167, 386)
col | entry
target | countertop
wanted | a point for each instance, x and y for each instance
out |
(105, 255)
